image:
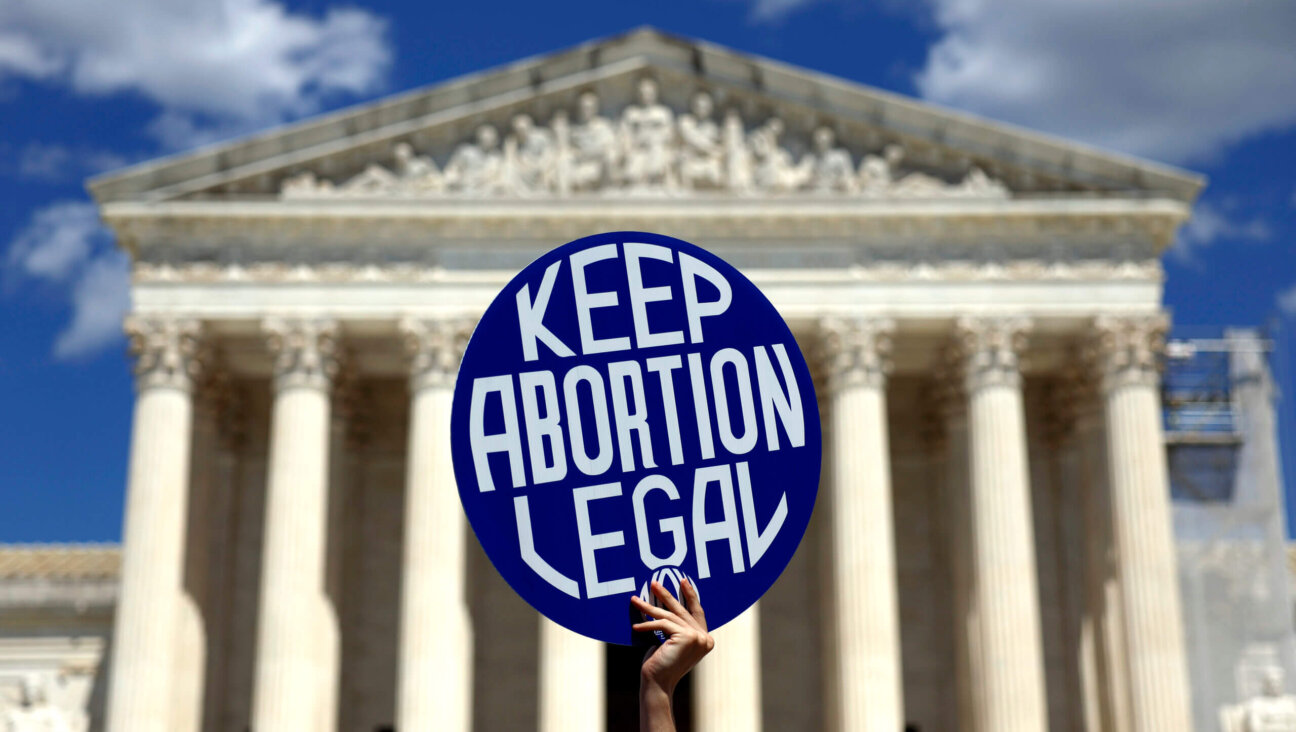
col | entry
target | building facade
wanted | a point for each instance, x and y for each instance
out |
(993, 547)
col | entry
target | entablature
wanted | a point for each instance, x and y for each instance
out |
(175, 231)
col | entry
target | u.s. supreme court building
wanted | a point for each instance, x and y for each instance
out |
(992, 548)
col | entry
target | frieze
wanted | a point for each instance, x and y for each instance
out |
(184, 228)
(873, 271)
(647, 150)
(419, 261)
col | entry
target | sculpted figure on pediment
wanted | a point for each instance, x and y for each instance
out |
(775, 171)
(305, 185)
(876, 172)
(738, 156)
(531, 156)
(647, 150)
(976, 184)
(373, 179)
(594, 151)
(411, 174)
(920, 185)
(702, 151)
(911, 185)
(648, 132)
(477, 167)
(831, 170)
(416, 173)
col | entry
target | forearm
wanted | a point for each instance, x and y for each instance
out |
(655, 707)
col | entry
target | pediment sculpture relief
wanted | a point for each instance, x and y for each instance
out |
(649, 150)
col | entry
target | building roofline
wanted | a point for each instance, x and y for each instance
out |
(706, 61)
(59, 561)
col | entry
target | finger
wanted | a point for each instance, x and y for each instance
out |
(668, 600)
(656, 612)
(694, 603)
(672, 604)
(665, 626)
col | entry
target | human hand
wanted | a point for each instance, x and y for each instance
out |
(687, 639)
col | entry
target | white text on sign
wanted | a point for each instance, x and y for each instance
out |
(600, 416)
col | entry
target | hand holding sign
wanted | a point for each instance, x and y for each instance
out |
(630, 403)
(687, 641)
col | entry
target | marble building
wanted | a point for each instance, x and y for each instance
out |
(993, 547)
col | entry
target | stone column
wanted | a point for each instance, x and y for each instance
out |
(1010, 669)
(195, 626)
(865, 606)
(344, 419)
(436, 642)
(1140, 495)
(948, 436)
(289, 694)
(572, 693)
(727, 683)
(1101, 639)
(144, 633)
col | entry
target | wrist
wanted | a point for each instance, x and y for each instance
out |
(651, 686)
(655, 713)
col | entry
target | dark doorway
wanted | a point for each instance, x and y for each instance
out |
(623, 692)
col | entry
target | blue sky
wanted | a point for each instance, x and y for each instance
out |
(87, 86)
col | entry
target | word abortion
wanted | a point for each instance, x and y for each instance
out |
(647, 149)
(617, 416)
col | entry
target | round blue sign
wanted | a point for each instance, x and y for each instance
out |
(630, 407)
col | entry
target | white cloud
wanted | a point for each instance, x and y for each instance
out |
(772, 11)
(55, 162)
(1177, 81)
(213, 63)
(57, 241)
(100, 299)
(1211, 223)
(64, 244)
(1287, 301)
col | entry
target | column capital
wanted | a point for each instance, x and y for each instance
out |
(167, 351)
(434, 346)
(304, 349)
(1127, 349)
(989, 350)
(856, 350)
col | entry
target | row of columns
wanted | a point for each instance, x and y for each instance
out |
(1000, 656)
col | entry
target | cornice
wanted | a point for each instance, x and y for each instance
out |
(798, 217)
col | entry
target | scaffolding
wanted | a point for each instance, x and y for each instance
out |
(1221, 446)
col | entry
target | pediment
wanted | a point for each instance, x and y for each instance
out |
(643, 116)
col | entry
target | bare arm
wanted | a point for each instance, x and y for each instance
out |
(663, 667)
